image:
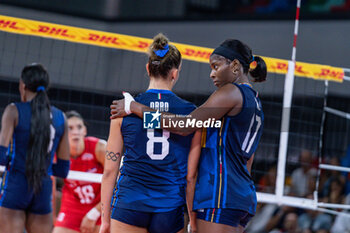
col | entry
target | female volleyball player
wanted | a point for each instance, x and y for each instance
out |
(32, 131)
(150, 193)
(225, 197)
(80, 205)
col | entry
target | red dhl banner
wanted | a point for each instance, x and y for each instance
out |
(139, 44)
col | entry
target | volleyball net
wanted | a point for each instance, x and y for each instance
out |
(90, 68)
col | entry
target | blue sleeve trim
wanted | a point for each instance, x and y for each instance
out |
(61, 168)
(3, 155)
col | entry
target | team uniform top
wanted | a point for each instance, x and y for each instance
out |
(223, 179)
(153, 175)
(14, 189)
(21, 134)
(80, 195)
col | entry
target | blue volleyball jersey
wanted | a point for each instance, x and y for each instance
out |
(223, 179)
(14, 188)
(153, 175)
(21, 134)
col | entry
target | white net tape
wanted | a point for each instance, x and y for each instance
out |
(75, 175)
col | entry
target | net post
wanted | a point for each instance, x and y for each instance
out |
(283, 145)
(287, 101)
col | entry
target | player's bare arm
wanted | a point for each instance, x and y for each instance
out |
(8, 123)
(111, 170)
(193, 159)
(221, 102)
(63, 148)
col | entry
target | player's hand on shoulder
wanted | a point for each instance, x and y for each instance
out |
(121, 108)
(117, 109)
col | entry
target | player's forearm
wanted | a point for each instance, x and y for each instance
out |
(191, 182)
(191, 177)
(108, 182)
(138, 109)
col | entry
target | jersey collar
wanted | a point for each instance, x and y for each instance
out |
(161, 91)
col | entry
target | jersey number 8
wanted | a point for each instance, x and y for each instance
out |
(152, 140)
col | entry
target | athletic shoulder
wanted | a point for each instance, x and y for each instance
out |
(228, 94)
(11, 108)
(11, 111)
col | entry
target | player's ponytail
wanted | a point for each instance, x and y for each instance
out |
(162, 57)
(36, 79)
(257, 69)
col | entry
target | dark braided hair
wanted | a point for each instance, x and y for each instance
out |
(36, 79)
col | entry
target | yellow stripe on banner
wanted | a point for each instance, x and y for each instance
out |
(139, 44)
(308, 70)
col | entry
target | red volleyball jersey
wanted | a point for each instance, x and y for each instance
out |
(81, 195)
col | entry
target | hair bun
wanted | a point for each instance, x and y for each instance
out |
(257, 69)
(162, 57)
(160, 41)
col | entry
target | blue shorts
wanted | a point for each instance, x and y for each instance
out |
(15, 194)
(160, 222)
(229, 217)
